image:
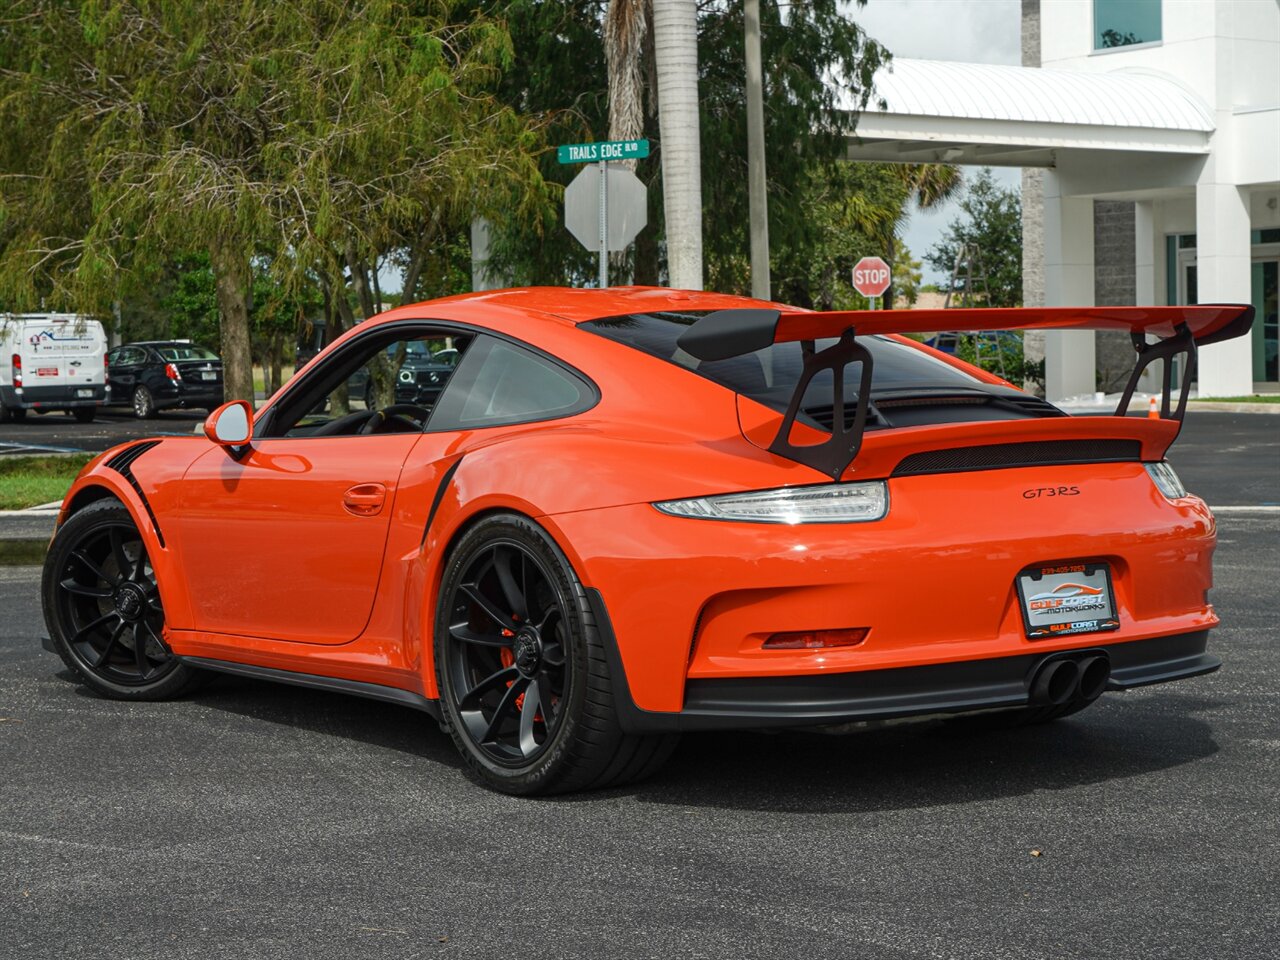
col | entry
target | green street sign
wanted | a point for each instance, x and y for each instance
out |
(605, 150)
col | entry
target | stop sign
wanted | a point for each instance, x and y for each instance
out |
(871, 276)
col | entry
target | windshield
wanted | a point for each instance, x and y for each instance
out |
(770, 375)
(186, 351)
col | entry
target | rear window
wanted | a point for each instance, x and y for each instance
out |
(770, 375)
(186, 351)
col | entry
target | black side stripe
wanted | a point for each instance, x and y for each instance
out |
(435, 501)
(122, 463)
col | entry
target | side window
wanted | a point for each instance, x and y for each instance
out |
(377, 384)
(497, 382)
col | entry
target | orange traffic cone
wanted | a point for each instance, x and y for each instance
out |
(1153, 410)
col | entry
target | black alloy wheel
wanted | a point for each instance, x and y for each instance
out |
(507, 655)
(144, 405)
(517, 653)
(103, 608)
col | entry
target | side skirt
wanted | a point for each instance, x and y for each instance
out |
(370, 691)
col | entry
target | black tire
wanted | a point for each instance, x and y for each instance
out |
(84, 414)
(12, 414)
(102, 607)
(144, 405)
(539, 641)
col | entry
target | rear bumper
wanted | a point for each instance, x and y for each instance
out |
(55, 398)
(901, 693)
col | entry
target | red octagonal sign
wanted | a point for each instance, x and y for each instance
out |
(871, 276)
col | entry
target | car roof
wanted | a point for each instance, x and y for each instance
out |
(577, 305)
(160, 343)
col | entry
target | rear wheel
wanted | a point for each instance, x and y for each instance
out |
(144, 405)
(14, 414)
(524, 684)
(103, 610)
(84, 414)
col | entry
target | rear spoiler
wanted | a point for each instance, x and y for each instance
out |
(730, 333)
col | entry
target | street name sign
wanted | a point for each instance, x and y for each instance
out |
(606, 150)
(871, 276)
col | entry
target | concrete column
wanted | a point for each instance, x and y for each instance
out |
(1068, 281)
(1146, 238)
(1222, 276)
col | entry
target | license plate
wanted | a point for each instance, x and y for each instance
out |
(84, 393)
(208, 375)
(1059, 599)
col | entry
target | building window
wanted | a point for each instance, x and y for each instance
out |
(1122, 23)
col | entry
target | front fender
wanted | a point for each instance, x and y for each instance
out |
(144, 480)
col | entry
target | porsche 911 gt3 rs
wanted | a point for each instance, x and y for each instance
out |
(635, 512)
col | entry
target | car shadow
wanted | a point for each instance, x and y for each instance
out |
(933, 764)
(385, 725)
(802, 771)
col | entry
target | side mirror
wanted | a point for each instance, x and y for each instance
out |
(231, 425)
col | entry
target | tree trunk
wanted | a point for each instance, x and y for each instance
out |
(232, 279)
(275, 349)
(675, 43)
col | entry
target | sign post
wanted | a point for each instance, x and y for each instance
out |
(871, 277)
(598, 235)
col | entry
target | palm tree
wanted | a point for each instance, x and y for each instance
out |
(675, 47)
(626, 24)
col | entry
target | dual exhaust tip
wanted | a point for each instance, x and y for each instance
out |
(1060, 680)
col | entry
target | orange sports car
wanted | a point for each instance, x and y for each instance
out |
(634, 512)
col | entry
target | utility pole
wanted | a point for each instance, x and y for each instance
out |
(757, 196)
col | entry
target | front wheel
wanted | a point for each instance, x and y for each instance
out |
(102, 607)
(524, 684)
(84, 414)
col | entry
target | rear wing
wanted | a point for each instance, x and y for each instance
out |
(730, 333)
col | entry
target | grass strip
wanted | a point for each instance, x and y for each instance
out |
(31, 481)
(1256, 398)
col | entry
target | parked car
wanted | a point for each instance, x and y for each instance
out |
(634, 512)
(51, 361)
(155, 375)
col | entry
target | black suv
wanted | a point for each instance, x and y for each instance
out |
(155, 375)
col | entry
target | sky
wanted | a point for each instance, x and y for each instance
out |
(975, 31)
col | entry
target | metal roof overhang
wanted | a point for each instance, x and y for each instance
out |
(933, 111)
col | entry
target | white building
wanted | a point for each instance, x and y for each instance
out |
(1172, 106)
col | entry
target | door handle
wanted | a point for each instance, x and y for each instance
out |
(364, 499)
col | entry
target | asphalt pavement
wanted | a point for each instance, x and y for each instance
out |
(257, 820)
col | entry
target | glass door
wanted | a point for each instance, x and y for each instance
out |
(1266, 324)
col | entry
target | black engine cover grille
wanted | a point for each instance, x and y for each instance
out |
(1037, 453)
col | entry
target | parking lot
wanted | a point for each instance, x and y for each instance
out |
(255, 820)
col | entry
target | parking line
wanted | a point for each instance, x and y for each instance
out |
(21, 448)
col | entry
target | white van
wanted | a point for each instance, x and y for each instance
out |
(51, 361)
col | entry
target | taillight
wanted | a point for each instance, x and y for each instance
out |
(816, 639)
(171, 372)
(17, 370)
(106, 370)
